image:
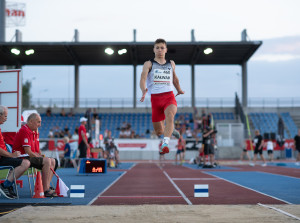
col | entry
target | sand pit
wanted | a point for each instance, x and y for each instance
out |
(153, 213)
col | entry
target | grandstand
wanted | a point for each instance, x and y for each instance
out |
(267, 122)
(141, 123)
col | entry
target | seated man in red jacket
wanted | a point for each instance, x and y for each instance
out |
(27, 142)
(10, 159)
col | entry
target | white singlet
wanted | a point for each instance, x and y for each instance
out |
(160, 78)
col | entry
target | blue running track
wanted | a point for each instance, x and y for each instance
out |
(281, 187)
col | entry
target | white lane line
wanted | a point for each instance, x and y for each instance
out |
(177, 188)
(196, 179)
(277, 174)
(250, 188)
(132, 166)
(279, 210)
(95, 198)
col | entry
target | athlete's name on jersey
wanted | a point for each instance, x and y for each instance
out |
(162, 77)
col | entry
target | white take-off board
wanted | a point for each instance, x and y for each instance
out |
(11, 97)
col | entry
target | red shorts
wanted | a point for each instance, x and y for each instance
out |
(159, 104)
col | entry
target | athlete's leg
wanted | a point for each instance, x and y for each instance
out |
(254, 158)
(159, 128)
(170, 113)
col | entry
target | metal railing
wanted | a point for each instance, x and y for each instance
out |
(182, 102)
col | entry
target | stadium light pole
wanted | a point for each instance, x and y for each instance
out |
(76, 75)
(244, 75)
(2, 20)
(134, 73)
(193, 74)
(2, 25)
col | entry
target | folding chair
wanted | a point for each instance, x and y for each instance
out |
(33, 172)
(9, 149)
(10, 168)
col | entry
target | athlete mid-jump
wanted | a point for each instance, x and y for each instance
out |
(159, 73)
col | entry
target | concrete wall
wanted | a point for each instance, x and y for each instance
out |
(222, 153)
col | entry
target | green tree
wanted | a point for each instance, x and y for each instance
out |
(26, 96)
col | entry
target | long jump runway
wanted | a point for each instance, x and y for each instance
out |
(147, 183)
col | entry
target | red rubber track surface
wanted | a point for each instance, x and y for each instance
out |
(143, 184)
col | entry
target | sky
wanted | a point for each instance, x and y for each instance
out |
(273, 71)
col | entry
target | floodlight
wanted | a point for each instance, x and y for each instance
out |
(208, 51)
(109, 51)
(29, 52)
(15, 51)
(122, 51)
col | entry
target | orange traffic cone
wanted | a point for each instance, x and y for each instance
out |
(57, 190)
(38, 189)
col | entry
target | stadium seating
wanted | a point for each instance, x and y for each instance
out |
(268, 122)
(289, 123)
(140, 122)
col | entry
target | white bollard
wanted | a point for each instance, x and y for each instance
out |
(77, 191)
(201, 190)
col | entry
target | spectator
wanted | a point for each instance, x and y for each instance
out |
(10, 159)
(127, 132)
(61, 134)
(270, 147)
(258, 143)
(113, 153)
(82, 139)
(132, 134)
(67, 132)
(209, 118)
(245, 152)
(122, 134)
(198, 135)
(208, 147)
(215, 146)
(180, 150)
(27, 142)
(189, 133)
(183, 131)
(57, 132)
(48, 112)
(71, 114)
(67, 150)
(107, 141)
(75, 134)
(63, 113)
(181, 119)
(199, 123)
(50, 134)
(204, 123)
(297, 146)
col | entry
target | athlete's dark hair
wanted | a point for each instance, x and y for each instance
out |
(160, 41)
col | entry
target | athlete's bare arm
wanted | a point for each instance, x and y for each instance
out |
(146, 69)
(176, 80)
